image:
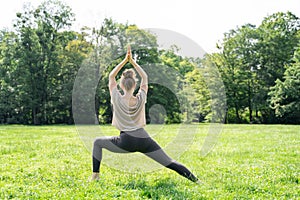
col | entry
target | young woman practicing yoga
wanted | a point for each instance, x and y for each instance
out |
(129, 118)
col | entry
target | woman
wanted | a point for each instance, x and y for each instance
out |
(129, 118)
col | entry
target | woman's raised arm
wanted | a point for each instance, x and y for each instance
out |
(142, 73)
(112, 75)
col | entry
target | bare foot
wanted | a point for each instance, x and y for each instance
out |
(199, 182)
(95, 177)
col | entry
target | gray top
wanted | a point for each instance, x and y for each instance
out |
(125, 117)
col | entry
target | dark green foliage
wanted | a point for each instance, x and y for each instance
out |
(285, 95)
(251, 60)
(41, 59)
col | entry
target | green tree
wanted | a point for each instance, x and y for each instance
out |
(250, 60)
(237, 64)
(275, 49)
(285, 95)
(9, 82)
(198, 97)
(70, 61)
(40, 44)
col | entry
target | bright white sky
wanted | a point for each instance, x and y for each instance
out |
(205, 22)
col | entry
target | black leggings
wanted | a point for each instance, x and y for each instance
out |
(137, 141)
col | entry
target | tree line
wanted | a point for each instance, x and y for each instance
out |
(41, 57)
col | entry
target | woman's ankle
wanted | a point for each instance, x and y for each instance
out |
(95, 176)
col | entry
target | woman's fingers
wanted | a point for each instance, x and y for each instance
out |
(128, 49)
(127, 56)
(128, 52)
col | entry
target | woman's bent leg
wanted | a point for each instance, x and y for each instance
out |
(109, 143)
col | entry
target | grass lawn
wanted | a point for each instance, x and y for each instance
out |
(248, 162)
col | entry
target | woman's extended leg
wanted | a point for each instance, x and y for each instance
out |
(161, 157)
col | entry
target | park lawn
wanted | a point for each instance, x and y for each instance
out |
(248, 162)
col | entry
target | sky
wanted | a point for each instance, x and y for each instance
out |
(204, 22)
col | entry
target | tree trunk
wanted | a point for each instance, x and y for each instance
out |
(237, 114)
(250, 114)
(250, 103)
(35, 117)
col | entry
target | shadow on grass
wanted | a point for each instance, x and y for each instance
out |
(164, 188)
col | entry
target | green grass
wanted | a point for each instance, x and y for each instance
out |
(248, 162)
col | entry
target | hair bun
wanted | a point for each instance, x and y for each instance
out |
(128, 74)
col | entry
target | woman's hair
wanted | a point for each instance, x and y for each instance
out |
(128, 79)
